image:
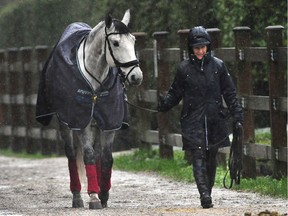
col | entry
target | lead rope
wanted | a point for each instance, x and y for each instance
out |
(142, 108)
(235, 159)
(236, 178)
(226, 174)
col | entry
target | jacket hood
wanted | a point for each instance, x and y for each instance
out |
(198, 36)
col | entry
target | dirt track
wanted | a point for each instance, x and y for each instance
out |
(41, 187)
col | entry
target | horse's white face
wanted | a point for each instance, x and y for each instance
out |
(120, 49)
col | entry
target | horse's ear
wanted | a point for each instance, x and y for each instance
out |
(126, 17)
(108, 20)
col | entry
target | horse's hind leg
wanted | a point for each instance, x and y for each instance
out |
(71, 154)
(104, 164)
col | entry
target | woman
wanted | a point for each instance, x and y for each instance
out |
(201, 82)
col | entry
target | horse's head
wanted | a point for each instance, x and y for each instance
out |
(120, 49)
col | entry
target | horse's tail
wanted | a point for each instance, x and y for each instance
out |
(81, 165)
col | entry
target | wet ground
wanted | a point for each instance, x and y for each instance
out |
(41, 187)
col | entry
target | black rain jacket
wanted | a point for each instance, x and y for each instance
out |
(201, 85)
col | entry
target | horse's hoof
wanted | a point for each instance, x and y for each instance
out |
(95, 205)
(104, 204)
(104, 196)
(94, 202)
(77, 201)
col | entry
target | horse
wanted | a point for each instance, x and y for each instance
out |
(82, 82)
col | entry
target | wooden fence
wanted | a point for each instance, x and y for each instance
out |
(20, 70)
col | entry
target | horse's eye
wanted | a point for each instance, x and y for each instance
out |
(116, 43)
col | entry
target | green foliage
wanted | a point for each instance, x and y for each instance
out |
(256, 14)
(177, 169)
(36, 22)
(165, 15)
(41, 22)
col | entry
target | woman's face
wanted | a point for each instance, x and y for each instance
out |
(200, 51)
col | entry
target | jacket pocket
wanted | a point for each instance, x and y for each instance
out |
(224, 113)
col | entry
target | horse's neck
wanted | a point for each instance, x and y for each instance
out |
(95, 60)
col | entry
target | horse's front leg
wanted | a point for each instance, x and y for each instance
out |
(87, 138)
(104, 162)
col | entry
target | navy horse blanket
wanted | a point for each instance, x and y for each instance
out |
(64, 91)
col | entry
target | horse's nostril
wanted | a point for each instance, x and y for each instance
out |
(133, 78)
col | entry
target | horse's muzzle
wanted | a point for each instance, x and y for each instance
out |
(135, 77)
(135, 80)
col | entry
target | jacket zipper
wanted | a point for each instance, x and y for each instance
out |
(202, 63)
(206, 133)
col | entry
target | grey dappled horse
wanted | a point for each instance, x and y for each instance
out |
(82, 82)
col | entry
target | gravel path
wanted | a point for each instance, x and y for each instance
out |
(41, 187)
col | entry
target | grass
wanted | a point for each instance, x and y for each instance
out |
(151, 162)
(178, 170)
(263, 138)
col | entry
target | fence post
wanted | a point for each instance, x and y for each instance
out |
(5, 109)
(144, 123)
(277, 81)
(183, 34)
(27, 68)
(166, 151)
(16, 101)
(245, 88)
(215, 35)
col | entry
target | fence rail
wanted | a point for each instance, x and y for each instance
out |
(20, 70)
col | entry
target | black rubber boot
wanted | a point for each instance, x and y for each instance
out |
(206, 201)
(211, 177)
(211, 165)
(202, 181)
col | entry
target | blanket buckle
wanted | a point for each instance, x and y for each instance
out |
(94, 98)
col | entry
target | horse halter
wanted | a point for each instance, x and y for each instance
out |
(134, 63)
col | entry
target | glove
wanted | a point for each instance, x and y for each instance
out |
(237, 125)
(237, 130)
(238, 118)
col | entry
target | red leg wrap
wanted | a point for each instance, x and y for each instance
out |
(75, 185)
(92, 179)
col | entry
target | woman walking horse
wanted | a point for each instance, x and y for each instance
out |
(83, 82)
